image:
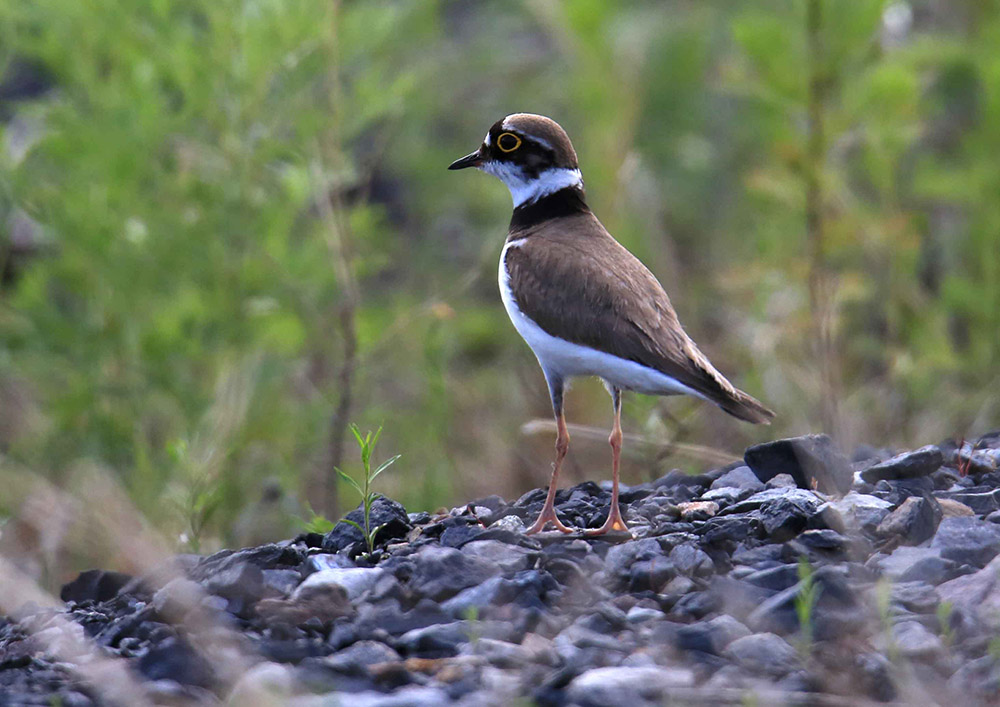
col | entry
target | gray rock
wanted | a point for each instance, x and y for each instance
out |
(763, 653)
(908, 465)
(442, 572)
(916, 642)
(977, 593)
(355, 580)
(691, 561)
(809, 460)
(781, 481)
(711, 636)
(603, 687)
(508, 558)
(917, 564)
(408, 696)
(982, 502)
(861, 511)
(621, 557)
(742, 478)
(967, 540)
(641, 614)
(915, 520)
(502, 654)
(361, 655)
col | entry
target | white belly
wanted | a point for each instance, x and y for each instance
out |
(564, 359)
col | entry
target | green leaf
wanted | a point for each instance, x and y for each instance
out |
(346, 477)
(384, 465)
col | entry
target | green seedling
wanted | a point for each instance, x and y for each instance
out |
(366, 444)
(805, 604)
(317, 522)
(944, 610)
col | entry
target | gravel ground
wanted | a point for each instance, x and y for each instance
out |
(798, 578)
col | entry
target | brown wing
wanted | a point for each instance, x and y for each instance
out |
(578, 283)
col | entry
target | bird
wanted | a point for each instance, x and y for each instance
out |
(584, 304)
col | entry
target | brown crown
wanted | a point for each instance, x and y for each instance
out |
(547, 134)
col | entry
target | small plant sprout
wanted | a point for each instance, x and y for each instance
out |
(317, 522)
(944, 611)
(805, 603)
(366, 444)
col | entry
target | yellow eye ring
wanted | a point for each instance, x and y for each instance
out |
(509, 147)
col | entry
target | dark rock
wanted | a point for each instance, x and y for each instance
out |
(981, 501)
(809, 460)
(875, 672)
(775, 578)
(385, 512)
(711, 636)
(836, 611)
(978, 594)
(898, 490)
(691, 561)
(913, 522)
(174, 660)
(94, 585)
(967, 540)
(918, 564)
(443, 572)
(908, 465)
(742, 478)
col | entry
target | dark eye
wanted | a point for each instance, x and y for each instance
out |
(508, 142)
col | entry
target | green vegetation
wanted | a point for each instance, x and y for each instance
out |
(805, 605)
(246, 236)
(366, 445)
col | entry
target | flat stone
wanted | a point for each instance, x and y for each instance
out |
(977, 593)
(712, 636)
(361, 655)
(862, 511)
(764, 653)
(355, 580)
(698, 510)
(918, 564)
(508, 558)
(600, 687)
(967, 540)
(950, 508)
(909, 465)
(689, 560)
(914, 641)
(913, 522)
(812, 461)
(442, 572)
(742, 478)
(981, 503)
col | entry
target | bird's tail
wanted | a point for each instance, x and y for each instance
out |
(746, 407)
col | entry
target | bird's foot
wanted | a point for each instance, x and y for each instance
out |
(548, 515)
(614, 524)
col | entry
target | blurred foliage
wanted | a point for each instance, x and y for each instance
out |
(203, 180)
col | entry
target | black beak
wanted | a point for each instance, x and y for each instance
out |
(471, 160)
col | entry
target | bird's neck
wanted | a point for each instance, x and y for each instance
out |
(567, 201)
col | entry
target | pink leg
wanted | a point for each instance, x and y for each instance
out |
(548, 514)
(615, 522)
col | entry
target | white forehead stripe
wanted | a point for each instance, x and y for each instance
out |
(486, 140)
(506, 125)
(525, 190)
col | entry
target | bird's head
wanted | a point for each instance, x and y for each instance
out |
(529, 153)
